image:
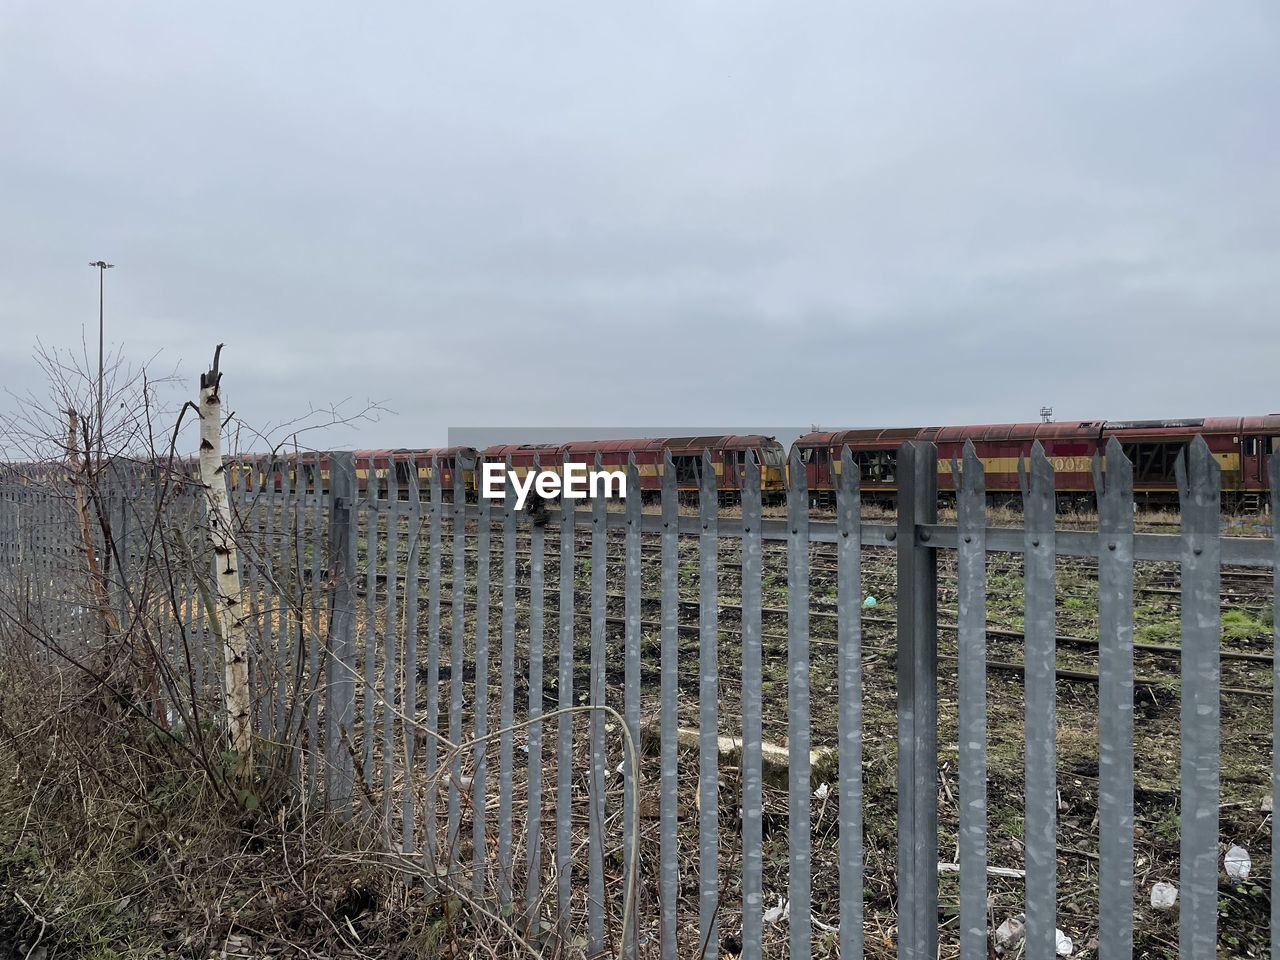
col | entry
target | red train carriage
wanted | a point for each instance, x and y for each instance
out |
(728, 454)
(1069, 445)
(874, 451)
(728, 458)
(307, 472)
(1241, 445)
(523, 457)
(374, 466)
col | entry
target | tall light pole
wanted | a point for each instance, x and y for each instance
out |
(102, 267)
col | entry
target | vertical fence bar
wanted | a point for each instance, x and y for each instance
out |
(370, 613)
(120, 532)
(1115, 703)
(798, 813)
(409, 671)
(708, 714)
(752, 762)
(297, 708)
(1199, 485)
(242, 522)
(431, 720)
(273, 603)
(1040, 659)
(849, 679)
(595, 814)
(250, 560)
(564, 694)
(917, 704)
(340, 715)
(533, 814)
(1273, 477)
(481, 712)
(457, 658)
(284, 637)
(314, 687)
(507, 709)
(390, 642)
(971, 573)
(631, 683)
(669, 782)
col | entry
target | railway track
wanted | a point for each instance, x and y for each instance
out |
(829, 614)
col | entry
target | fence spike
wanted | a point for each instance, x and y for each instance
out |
(849, 674)
(798, 738)
(564, 698)
(1200, 484)
(1115, 703)
(431, 718)
(971, 619)
(1040, 660)
(537, 599)
(669, 880)
(708, 715)
(631, 680)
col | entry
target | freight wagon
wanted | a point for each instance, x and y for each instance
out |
(1241, 446)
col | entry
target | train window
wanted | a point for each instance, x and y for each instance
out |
(1154, 462)
(1250, 446)
(404, 471)
(772, 455)
(806, 454)
(688, 469)
(877, 466)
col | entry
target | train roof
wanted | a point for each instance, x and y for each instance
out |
(749, 441)
(1189, 427)
(676, 444)
(420, 455)
(862, 437)
(988, 432)
(1005, 432)
(500, 450)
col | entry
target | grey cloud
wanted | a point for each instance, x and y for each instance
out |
(588, 215)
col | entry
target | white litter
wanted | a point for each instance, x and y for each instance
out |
(1062, 943)
(823, 791)
(1009, 933)
(1237, 863)
(779, 914)
(1163, 896)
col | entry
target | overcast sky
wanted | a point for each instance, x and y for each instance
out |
(691, 212)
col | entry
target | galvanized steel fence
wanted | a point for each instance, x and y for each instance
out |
(344, 668)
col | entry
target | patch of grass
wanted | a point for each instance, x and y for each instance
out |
(1241, 625)
(1155, 624)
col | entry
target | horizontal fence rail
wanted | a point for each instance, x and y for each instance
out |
(450, 675)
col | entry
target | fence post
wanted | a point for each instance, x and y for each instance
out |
(341, 661)
(917, 704)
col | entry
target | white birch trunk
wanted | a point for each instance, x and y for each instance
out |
(229, 605)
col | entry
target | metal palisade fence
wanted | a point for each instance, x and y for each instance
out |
(523, 703)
